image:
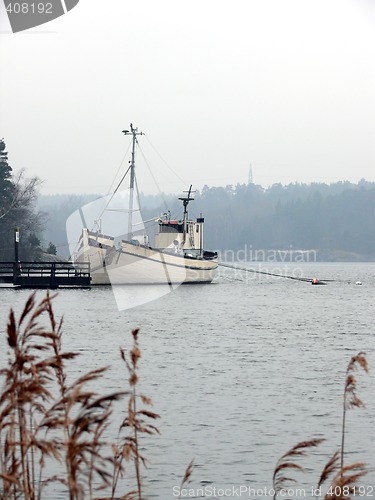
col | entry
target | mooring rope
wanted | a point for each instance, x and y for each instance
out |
(250, 270)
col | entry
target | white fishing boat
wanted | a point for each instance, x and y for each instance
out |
(177, 255)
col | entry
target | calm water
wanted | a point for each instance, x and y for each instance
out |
(240, 371)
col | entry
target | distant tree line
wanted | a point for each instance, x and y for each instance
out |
(337, 220)
(333, 219)
(18, 196)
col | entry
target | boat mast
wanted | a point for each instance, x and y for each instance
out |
(185, 201)
(134, 132)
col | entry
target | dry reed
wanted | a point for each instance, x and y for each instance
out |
(280, 480)
(186, 478)
(346, 477)
(351, 400)
(43, 418)
(135, 423)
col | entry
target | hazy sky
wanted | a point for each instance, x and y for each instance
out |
(286, 85)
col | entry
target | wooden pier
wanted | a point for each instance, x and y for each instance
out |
(45, 274)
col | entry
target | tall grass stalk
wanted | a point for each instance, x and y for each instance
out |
(344, 477)
(44, 418)
(135, 422)
(351, 400)
(287, 463)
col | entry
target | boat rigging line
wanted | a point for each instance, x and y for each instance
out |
(126, 132)
(113, 194)
(118, 170)
(256, 271)
(184, 183)
(153, 177)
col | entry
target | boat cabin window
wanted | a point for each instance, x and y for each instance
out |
(171, 228)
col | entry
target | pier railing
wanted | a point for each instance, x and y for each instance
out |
(45, 274)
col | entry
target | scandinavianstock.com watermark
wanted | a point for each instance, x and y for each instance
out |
(27, 14)
(250, 254)
(249, 264)
(245, 491)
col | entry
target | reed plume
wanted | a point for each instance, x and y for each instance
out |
(35, 425)
(280, 480)
(135, 422)
(186, 478)
(344, 482)
(345, 477)
(330, 467)
(43, 417)
(351, 400)
(24, 398)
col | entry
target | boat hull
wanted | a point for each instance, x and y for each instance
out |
(135, 264)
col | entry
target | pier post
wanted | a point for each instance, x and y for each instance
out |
(16, 242)
(16, 270)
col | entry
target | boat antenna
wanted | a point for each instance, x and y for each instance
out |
(185, 201)
(134, 132)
